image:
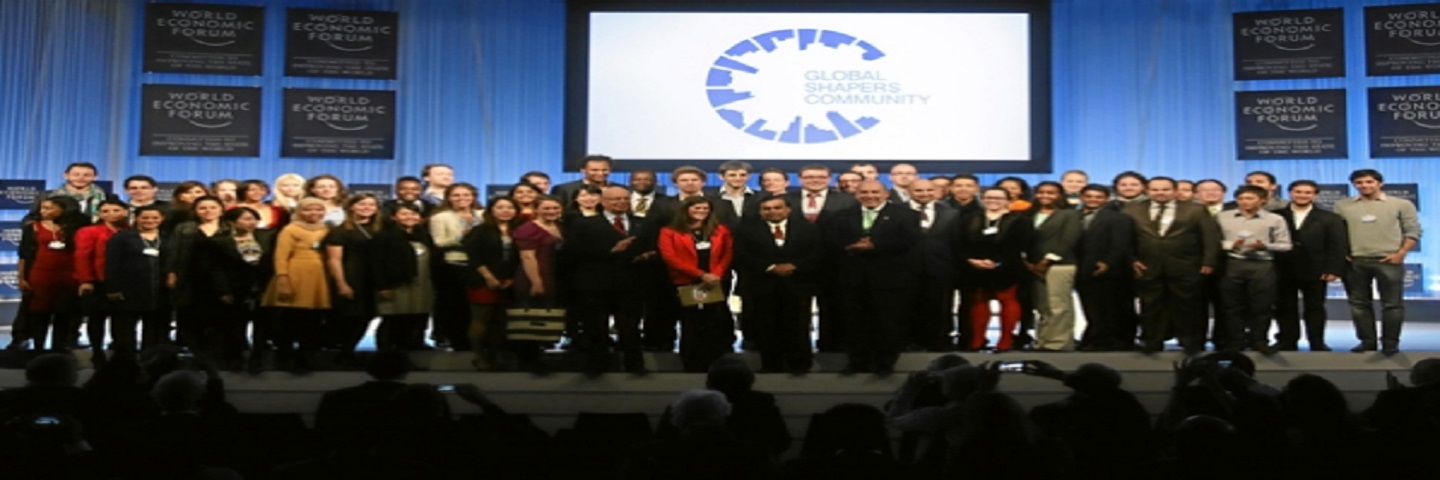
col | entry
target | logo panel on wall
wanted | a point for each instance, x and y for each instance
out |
(1290, 124)
(200, 121)
(1402, 39)
(1405, 122)
(339, 124)
(20, 194)
(216, 39)
(341, 43)
(1289, 44)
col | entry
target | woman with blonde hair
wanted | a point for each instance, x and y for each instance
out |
(289, 189)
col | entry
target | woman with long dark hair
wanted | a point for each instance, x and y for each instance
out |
(191, 293)
(490, 249)
(90, 245)
(1051, 257)
(537, 282)
(525, 195)
(47, 272)
(239, 264)
(697, 250)
(402, 260)
(456, 215)
(135, 281)
(992, 245)
(347, 259)
(252, 195)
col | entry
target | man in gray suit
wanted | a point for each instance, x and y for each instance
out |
(1177, 245)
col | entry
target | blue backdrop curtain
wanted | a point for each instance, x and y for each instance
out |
(1138, 84)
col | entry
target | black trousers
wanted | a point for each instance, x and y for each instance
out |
(452, 308)
(661, 310)
(784, 319)
(934, 318)
(1289, 290)
(58, 327)
(962, 324)
(832, 318)
(875, 325)
(1106, 302)
(1169, 308)
(1214, 315)
(224, 334)
(707, 332)
(401, 332)
(595, 311)
(298, 327)
(155, 325)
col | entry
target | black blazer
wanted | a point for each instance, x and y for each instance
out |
(755, 251)
(230, 274)
(594, 267)
(750, 208)
(393, 262)
(1006, 246)
(889, 265)
(186, 244)
(1319, 246)
(1058, 235)
(484, 248)
(128, 271)
(1110, 239)
(1192, 241)
(835, 202)
(935, 254)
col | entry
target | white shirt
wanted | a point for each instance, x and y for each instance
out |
(784, 226)
(1300, 215)
(610, 218)
(927, 213)
(736, 201)
(635, 203)
(1167, 218)
(819, 201)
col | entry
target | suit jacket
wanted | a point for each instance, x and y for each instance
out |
(1319, 246)
(1110, 239)
(129, 271)
(1059, 235)
(750, 208)
(660, 210)
(682, 258)
(756, 251)
(835, 202)
(1006, 246)
(935, 254)
(1192, 241)
(888, 266)
(594, 267)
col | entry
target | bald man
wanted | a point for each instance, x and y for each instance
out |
(609, 255)
(930, 327)
(870, 245)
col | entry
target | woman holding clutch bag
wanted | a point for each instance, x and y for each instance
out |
(697, 250)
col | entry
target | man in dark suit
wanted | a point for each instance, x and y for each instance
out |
(662, 307)
(407, 191)
(1102, 272)
(1176, 245)
(815, 203)
(735, 203)
(930, 327)
(597, 172)
(870, 244)
(902, 175)
(781, 257)
(1320, 243)
(353, 411)
(963, 196)
(611, 253)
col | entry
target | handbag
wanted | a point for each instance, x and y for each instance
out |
(692, 295)
(535, 324)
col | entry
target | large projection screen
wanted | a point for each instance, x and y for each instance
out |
(959, 89)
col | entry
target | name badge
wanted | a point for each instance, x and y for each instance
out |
(702, 246)
(779, 242)
(315, 246)
(1167, 221)
(990, 230)
(151, 252)
(56, 245)
(1368, 219)
(419, 252)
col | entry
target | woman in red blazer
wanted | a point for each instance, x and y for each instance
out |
(697, 250)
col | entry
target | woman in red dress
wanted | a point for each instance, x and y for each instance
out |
(47, 273)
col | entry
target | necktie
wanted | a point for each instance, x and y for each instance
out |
(642, 206)
(779, 234)
(869, 219)
(813, 206)
(1159, 219)
(620, 224)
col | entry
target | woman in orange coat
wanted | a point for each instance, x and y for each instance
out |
(697, 251)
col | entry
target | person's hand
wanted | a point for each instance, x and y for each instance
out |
(1239, 244)
(783, 269)
(505, 284)
(24, 286)
(537, 289)
(1327, 278)
(645, 256)
(116, 297)
(86, 288)
(860, 245)
(983, 264)
(1140, 268)
(1206, 269)
(492, 283)
(710, 280)
(1397, 258)
(227, 299)
(1101, 268)
(386, 294)
(621, 245)
(1258, 245)
(346, 292)
(284, 291)
(171, 280)
(1042, 369)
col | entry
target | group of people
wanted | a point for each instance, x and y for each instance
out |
(309, 265)
(157, 415)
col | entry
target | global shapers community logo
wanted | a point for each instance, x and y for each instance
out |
(802, 79)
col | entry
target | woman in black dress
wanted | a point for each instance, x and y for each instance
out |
(347, 258)
(190, 290)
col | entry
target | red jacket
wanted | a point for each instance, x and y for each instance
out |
(677, 249)
(90, 253)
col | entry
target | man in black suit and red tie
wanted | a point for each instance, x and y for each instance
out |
(611, 253)
(815, 203)
(870, 245)
(1176, 245)
(1320, 243)
(780, 258)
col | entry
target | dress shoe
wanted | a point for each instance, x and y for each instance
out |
(1263, 349)
(1364, 347)
(884, 370)
(1390, 350)
(1320, 347)
(799, 372)
(255, 364)
(1286, 347)
(1193, 351)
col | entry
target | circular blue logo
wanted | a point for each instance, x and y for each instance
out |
(724, 85)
